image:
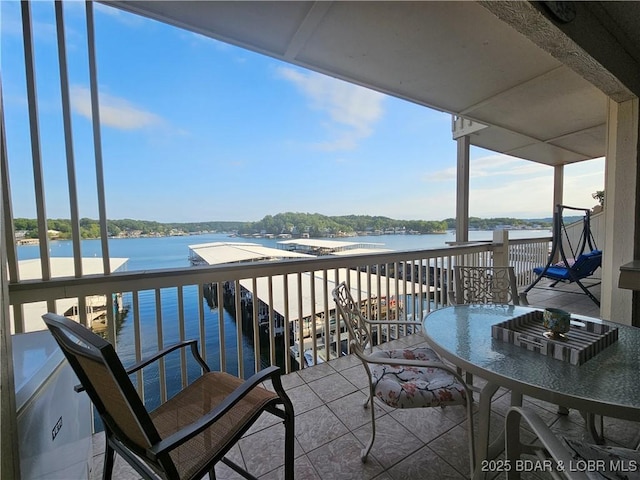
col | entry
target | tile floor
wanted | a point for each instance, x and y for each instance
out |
(332, 426)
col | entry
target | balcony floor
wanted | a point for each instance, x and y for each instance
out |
(332, 426)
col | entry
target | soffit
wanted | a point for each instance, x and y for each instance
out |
(456, 57)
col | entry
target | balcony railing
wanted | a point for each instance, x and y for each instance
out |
(250, 315)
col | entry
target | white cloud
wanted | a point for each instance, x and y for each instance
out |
(441, 175)
(124, 18)
(501, 185)
(347, 105)
(114, 111)
(490, 167)
(505, 165)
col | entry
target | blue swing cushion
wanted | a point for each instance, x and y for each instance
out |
(583, 267)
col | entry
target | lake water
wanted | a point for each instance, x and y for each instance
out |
(173, 252)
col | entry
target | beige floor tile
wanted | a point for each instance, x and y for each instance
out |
(332, 426)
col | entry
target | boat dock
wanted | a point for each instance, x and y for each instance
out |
(96, 305)
(378, 301)
(317, 247)
(217, 253)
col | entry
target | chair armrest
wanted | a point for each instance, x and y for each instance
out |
(190, 431)
(194, 351)
(146, 361)
(551, 444)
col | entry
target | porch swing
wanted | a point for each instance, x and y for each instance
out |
(579, 265)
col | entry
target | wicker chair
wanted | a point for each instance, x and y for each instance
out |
(401, 378)
(484, 285)
(188, 434)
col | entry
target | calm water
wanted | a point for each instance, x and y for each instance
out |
(169, 252)
(172, 252)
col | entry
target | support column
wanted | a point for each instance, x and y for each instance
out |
(558, 195)
(462, 190)
(461, 128)
(558, 186)
(621, 207)
(501, 248)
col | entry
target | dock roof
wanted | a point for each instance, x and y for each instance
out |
(60, 267)
(64, 267)
(216, 253)
(333, 278)
(330, 247)
(361, 251)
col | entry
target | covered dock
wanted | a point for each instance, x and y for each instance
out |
(311, 322)
(309, 303)
(216, 253)
(316, 246)
(64, 267)
(295, 301)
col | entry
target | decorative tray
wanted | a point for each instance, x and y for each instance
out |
(583, 341)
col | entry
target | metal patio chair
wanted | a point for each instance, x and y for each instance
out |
(401, 378)
(185, 437)
(484, 285)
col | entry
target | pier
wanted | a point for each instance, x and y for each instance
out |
(96, 305)
(302, 310)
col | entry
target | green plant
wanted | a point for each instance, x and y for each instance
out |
(599, 195)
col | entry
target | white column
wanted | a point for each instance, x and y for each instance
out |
(462, 190)
(621, 172)
(461, 128)
(558, 194)
(558, 186)
(501, 248)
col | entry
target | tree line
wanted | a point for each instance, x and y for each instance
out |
(312, 224)
(90, 228)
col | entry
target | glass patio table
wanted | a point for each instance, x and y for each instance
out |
(607, 384)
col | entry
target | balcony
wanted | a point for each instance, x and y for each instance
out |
(331, 424)
(328, 438)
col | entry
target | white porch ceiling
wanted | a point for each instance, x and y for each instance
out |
(457, 57)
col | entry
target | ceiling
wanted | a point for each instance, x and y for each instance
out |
(458, 57)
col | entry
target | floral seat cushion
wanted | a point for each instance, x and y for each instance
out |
(410, 387)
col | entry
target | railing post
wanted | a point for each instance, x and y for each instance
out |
(501, 248)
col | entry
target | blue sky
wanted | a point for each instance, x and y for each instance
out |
(197, 130)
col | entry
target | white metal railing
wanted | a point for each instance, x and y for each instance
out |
(525, 255)
(259, 311)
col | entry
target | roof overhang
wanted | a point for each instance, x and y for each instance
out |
(456, 57)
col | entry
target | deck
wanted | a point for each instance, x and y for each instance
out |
(332, 426)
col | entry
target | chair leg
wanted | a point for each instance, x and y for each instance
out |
(598, 437)
(471, 435)
(289, 437)
(366, 402)
(289, 427)
(369, 404)
(109, 454)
